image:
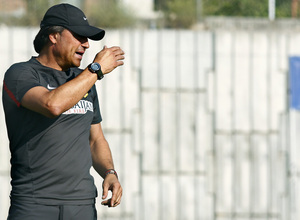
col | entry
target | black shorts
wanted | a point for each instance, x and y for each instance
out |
(28, 211)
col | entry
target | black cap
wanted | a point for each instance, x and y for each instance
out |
(73, 19)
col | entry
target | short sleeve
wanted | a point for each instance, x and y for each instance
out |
(19, 78)
(97, 114)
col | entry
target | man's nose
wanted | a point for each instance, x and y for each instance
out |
(85, 43)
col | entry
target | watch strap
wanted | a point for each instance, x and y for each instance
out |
(111, 171)
(99, 73)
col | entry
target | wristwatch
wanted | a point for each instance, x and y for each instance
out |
(96, 68)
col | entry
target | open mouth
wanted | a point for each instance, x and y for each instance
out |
(80, 53)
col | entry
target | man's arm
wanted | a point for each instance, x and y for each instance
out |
(102, 161)
(55, 102)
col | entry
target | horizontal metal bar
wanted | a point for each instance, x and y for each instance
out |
(174, 173)
(245, 133)
(262, 215)
(175, 90)
(121, 215)
(117, 131)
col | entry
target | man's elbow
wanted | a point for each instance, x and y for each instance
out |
(53, 111)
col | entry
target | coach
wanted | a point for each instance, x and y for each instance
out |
(53, 121)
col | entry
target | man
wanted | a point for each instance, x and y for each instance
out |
(54, 122)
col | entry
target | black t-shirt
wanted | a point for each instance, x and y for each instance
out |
(50, 158)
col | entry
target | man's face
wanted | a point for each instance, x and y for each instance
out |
(69, 49)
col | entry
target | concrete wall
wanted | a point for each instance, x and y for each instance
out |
(198, 123)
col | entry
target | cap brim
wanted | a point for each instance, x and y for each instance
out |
(90, 32)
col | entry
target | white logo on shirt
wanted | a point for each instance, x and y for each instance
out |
(80, 108)
(50, 87)
(84, 18)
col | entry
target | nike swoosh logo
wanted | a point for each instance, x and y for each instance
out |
(84, 18)
(50, 87)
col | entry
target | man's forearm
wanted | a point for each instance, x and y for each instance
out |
(68, 94)
(102, 157)
(55, 102)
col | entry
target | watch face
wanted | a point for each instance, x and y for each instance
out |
(95, 66)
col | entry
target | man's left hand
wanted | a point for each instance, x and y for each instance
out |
(111, 183)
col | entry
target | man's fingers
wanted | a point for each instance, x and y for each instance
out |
(105, 192)
(117, 51)
(110, 58)
(120, 57)
(115, 199)
(118, 200)
(115, 48)
(109, 203)
(116, 196)
(120, 63)
(105, 202)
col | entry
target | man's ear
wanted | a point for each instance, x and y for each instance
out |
(53, 38)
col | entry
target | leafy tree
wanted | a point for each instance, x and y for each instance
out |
(34, 13)
(109, 13)
(283, 8)
(106, 13)
(180, 14)
(248, 8)
(245, 8)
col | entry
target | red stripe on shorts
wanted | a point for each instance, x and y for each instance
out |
(10, 94)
